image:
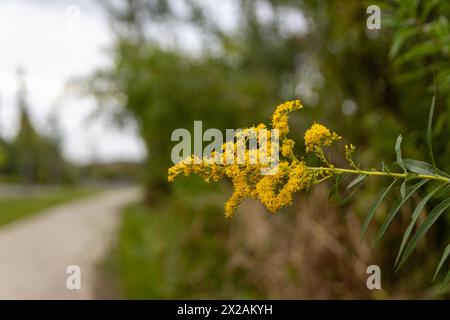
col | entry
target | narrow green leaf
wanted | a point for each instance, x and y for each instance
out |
(414, 218)
(412, 75)
(424, 227)
(428, 6)
(444, 283)
(421, 167)
(334, 190)
(399, 39)
(378, 200)
(441, 262)
(402, 189)
(419, 51)
(346, 199)
(357, 180)
(398, 152)
(430, 125)
(396, 206)
(447, 278)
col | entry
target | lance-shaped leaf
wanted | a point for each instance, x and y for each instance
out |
(441, 262)
(424, 227)
(403, 189)
(334, 190)
(398, 152)
(447, 278)
(357, 180)
(414, 218)
(378, 200)
(421, 167)
(400, 38)
(396, 206)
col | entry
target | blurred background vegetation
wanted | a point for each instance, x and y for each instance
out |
(367, 85)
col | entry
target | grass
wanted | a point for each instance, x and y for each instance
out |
(12, 209)
(176, 250)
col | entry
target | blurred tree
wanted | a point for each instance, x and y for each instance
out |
(33, 157)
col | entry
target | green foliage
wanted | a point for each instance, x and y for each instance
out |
(420, 57)
(424, 227)
(356, 181)
(423, 171)
(171, 251)
(415, 215)
(379, 199)
(430, 127)
(395, 207)
(444, 257)
(421, 167)
(421, 36)
(398, 152)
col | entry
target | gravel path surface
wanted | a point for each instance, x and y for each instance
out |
(36, 252)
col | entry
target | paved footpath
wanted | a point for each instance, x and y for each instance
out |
(36, 252)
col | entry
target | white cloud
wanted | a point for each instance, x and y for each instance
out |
(40, 37)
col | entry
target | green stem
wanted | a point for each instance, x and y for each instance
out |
(379, 173)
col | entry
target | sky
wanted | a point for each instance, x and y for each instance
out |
(53, 42)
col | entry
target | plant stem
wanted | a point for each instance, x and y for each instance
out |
(380, 173)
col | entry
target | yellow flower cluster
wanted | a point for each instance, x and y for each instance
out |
(318, 136)
(287, 147)
(275, 191)
(243, 180)
(280, 116)
(205, 169)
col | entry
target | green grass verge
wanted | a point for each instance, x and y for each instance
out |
(177, 250)
(12, 209)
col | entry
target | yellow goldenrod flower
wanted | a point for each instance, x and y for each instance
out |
(243, 164)
(319, 135)
(193, 165)
(287, 147)
(290, 178)
(280, 116)
(233, 203)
